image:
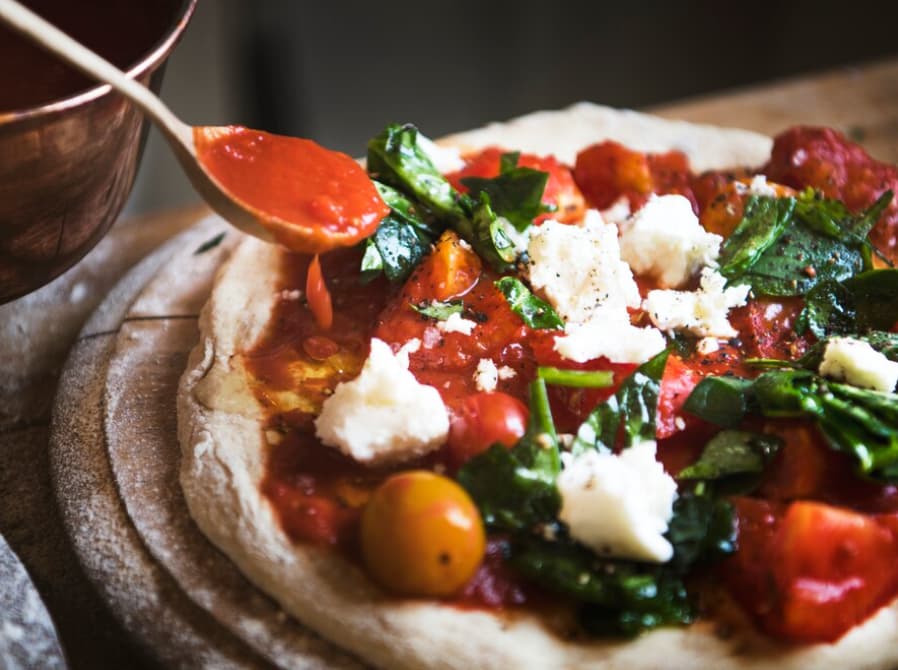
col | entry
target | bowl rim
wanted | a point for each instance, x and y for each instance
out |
(151, 59)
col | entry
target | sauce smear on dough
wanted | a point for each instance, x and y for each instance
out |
(310, 198)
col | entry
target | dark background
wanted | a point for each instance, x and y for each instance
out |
(339, 71)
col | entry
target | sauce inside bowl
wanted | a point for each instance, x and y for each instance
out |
(122, 31)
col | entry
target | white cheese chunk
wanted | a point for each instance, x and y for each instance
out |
(859, 364)
(486, 376)
(578, 267)
(609, 333)
(703, 312)
(384, 415)
(444, 159)
(665, 240)
(707, 345)
(456, 323)
(506, 372)
(759, 186)
(619, 505)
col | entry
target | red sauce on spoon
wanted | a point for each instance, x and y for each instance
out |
(311, 199)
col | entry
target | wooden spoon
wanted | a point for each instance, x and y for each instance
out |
(343, 176)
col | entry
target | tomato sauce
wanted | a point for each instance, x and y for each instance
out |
(817, 545)
(312, 199)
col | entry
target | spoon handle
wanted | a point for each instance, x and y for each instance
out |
(51, 38)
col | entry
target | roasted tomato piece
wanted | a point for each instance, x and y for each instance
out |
(485, 419)
(452, 270)
(809, 572)
(676, 385)
(826, 160)
(561, 192)
(767, 328)
(608, 170)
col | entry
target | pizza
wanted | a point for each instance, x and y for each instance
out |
(601, 390)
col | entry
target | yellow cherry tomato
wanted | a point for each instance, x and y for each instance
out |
(422, 535)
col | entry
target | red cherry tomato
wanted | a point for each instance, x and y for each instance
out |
(483, 420)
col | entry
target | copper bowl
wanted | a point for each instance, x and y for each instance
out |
(67, 167)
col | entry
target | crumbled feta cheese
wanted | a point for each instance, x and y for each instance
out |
(456, 323)
(759, 186)
(707, 345)
(609, 333)
(578, 268)
(486, 376)
(431, 337)
(506, 372)
(702, 312)
(290, 294)
(383, 415)
(619, 504)
(444, 159)
(665, 240)
(618, 212)
(410, 347)
(859, 364)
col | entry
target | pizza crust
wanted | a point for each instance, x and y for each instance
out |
(224, 449)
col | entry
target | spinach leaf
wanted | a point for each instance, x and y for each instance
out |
(595, 379)
(764, 221)
(515, 194)
(401, 240)
(395, 158)
(534, 311)
(866, 301)
(858, 422)
(633, 407)
(509, 161)
(486, 233)
(701, 530)
(787, 246)
(875, 298)
(733, 452)
(723, 401)
(622, 597)
(509, 495)
(439, 311)
(514, 489)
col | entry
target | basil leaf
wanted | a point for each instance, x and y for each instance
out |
(534, 311)
(372, 264)
(575, 378)
(733, 452)
(516, 193)
(395, 158)
(764, 221)
(486, 234)
(633, 407)
(514, 489)
(723, 401)
(509, 161)
(400, 247)
(439, 311)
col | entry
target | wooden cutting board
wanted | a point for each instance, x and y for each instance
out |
(115, 461)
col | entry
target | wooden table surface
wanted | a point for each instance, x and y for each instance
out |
(37, 331)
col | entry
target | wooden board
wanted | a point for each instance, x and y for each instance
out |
(171, 627)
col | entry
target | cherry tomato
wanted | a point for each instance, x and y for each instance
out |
(483, 420)
(422, 535)
(319, 296)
